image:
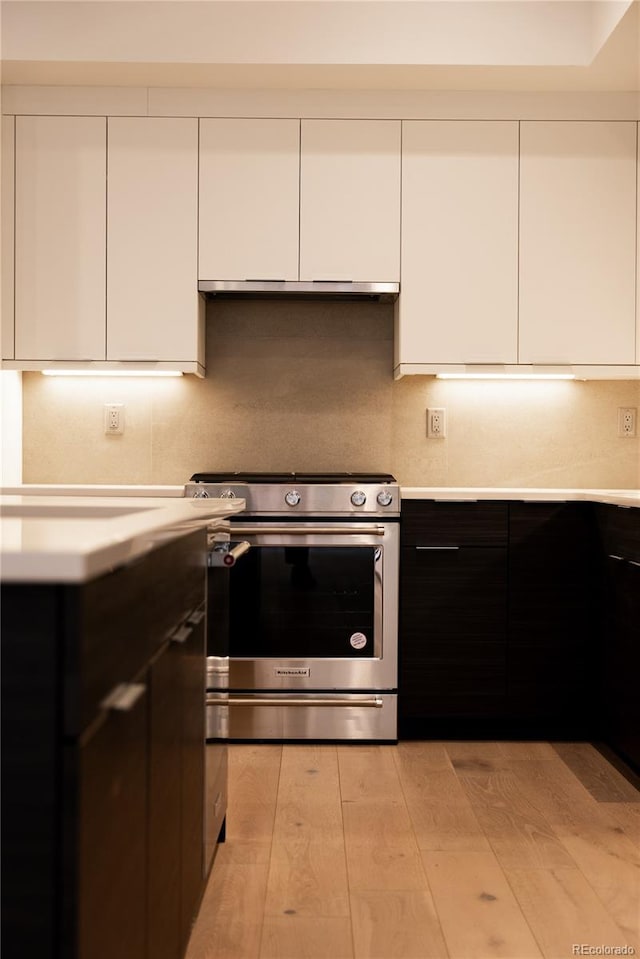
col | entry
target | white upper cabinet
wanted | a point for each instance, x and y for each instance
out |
(350, 200)
(577, 242)
(459, 285)
(249, 199)
(299, 200)
(60, 235)
(7, 206)
(153, 307)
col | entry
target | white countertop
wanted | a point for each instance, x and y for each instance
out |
(90, 489)
(616, 497)
(71, 539)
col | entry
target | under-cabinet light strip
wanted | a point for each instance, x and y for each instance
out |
(505, 376)
(111, 372)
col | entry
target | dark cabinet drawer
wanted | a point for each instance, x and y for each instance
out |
(619, 530)
(118, 621)
(428, 523)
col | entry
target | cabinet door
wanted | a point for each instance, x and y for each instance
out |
(453, 633)
(152, 298)
(350, 200)
(7, 206)
(192, 676)
(60, 238)
(553, 616)
(249, 199)
(638, 249)
(459, 286)
(577, 242)
(164, 928)
(621, 660)
(112, 831)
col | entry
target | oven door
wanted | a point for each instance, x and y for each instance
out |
(313, 606)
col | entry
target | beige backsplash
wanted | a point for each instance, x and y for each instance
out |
(309, 386)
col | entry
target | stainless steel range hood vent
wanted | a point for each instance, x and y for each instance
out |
(316, 289)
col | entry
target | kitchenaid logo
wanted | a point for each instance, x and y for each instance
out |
(292, 671)
(583, 949)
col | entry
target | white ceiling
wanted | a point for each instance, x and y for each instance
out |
(330, 44)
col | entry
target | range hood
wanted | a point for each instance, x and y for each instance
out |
(315, 289)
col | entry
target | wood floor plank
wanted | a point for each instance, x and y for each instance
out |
(563, 910)
(381, 847)
(229, 924)
(478, 912)
(309, 772)
(396, 925)
(251, 821)
(307, 879)
(292, 937)
(254, 770)
(611, 864)
(628, 816)
(443, 817)
(367, 771)
(597, 775)
(518, 832)
(527, 750)
(308, 806)
(557, 792)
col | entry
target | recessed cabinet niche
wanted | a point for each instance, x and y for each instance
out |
(307, 200)
(105, 266)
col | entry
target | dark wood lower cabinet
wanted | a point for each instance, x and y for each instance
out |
(453, 629)
(554, 619)
(109, 893)
(165, 804)
(619, 656)
(102, 796)
(500, 620)
(453, 617)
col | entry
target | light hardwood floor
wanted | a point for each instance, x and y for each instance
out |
(423, 850)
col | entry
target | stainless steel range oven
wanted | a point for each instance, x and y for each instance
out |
(312, 625)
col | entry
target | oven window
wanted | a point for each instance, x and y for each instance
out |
(303, 601)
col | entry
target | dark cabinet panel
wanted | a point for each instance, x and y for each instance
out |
(619, 660)
(429, 523)
(452, 654)
(165, 803)
(553, 615)
(192, 775)
(111, 841)
(102, 799)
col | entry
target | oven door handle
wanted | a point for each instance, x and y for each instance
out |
(374, 702)
(309, 530)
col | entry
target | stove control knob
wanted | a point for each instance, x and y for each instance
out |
(358, 498)
(292, 497)
(227, 494)
(384, 497)
(201, 494)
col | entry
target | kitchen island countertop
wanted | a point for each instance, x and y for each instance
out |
(71, 539)
(615, 497)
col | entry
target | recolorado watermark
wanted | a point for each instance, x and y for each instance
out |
(584, 949)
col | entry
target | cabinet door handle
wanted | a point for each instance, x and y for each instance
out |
(620, 559)
(437, 547)
(123, 697)
(195, 617)
(633, 562)
(182, 633)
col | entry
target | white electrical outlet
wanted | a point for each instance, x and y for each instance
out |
(627, 418)
(114, 419)
(436, 423)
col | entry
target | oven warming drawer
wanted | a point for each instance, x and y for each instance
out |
(299, 717)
